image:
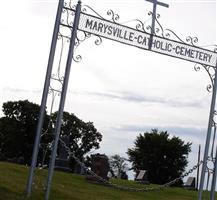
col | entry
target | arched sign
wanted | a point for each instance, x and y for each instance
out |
(138, 37)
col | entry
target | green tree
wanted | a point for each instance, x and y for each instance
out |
(17, 130)
(165, 158)
(118, 165)
(18, 126)
(83, 136)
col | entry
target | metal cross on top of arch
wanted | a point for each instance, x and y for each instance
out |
(75, 24)
(154, 12)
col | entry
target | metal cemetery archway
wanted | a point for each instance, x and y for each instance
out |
(75, 19)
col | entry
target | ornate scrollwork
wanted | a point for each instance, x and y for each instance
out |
(197, 67)
(57, 75)
(150, 13)
(60, 36)
(67, 16)
(214, 121)
(69, 4)
(77, 58)
(211, 72)
(67, 22)
(140, 26)
(81, 37)
(169, 34)
(98, 40)
(57, 79)
(192, 40)
(114, 17)
(86, 8)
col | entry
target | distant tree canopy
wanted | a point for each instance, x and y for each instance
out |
(165, 158)
(118, 166)
(83, 136)
(18, 126)
(17, 130)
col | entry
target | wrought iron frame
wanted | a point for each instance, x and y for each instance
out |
(65, 16)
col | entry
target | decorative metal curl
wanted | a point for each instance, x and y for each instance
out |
(148, 28)
(209, 88)
(98, 40)
(114, 17)
(208, 169)
(157, 16)
(197, 67)
(63, 10)
(71, 5)
(81, 37)
(67, 19)
(54, 91)
(57, 76)
(140, 25)
(85, 9)
(158, 30)
(150, 13)
(192, 40)
(214, 122)
(65, 4)
(210, 159)
(77, 58)
(211, 73)
(167, 33)
(60, 36)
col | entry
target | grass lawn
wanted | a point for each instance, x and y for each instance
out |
(67, 186)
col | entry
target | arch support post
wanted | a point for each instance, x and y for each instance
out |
(44, 99)
(208, 137)
(212, 195)
(62, 99)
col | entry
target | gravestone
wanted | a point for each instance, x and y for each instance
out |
(191, 181)
(62, 160)
(100, 166)
(142, 177)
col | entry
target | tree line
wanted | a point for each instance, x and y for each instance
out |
(163, 156)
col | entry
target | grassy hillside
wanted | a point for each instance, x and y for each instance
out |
(74, 187)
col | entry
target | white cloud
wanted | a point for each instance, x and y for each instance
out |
(129, 87)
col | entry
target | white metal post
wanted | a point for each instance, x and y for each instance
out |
(44, 99)
(212, 196)
(62, 99)
(208, 137)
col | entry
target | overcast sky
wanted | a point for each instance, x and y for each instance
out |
(123, 90)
